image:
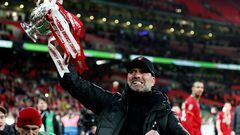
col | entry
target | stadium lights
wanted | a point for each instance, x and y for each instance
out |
(150, 26)
(91, 17)
(6, 3)
(21, 6)
(116, 21)
(182, 31)
(101, 62)
(89, 53)
(189, 63)
(210, 35)
(6, 44)
(128, 23)
(171, 29)
(178, 10)
(139, 25)
(78, 15)
(104, 19)
(192, 32)
(46, 95)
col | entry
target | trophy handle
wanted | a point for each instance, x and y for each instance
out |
(30, 30)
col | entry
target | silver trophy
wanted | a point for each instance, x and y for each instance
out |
(50, 19)
(38, 25)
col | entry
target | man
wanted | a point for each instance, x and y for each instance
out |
(5, 129)
(49, 121)
(191, 119)
(70, 123)
(224, 119)
(29, 122)
(236, 122)
(140, 110)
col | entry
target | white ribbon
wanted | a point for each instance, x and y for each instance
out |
(63, 31)
(58, 60)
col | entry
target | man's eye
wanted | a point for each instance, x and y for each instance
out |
(143, 71)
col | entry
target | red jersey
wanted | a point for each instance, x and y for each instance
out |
(191, 117)
(225, 122)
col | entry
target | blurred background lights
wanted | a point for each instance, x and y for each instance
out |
(182, 31)
(210, 34)
(171, 29)
(78, 15)
(6, 4)
(91, 17)
(139, 25)
(46, 95)
(192, 32)
(150, 26)
(116, 21)
(104, 19)
(21, 6)
(128, 23)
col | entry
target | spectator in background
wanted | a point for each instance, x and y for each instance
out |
(142, 109)
(70, 123)
(49, 121)
(224, 119)
(214, 112)
(191, 119)
(115, 85)
(236, 122)
(29, 122)
(5, 129)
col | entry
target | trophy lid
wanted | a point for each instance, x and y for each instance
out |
(38, 2)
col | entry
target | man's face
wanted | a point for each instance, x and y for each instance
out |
(227, 107)
(2, 119)
(140, 80)
(198, 88)
(28, 130)
(42, 105)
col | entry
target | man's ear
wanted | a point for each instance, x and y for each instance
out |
(154, 80)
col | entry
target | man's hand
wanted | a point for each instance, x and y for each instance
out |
(152, 132)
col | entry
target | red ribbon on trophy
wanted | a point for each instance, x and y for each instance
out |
(64, 30)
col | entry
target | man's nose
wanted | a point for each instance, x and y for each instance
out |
(31, 132)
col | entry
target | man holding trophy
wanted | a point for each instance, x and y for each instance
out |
(141, 109)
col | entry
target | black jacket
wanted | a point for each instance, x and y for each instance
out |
(112, 108)
(8, 130)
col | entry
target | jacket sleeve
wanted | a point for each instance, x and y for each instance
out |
(90, 95)
(174, 127)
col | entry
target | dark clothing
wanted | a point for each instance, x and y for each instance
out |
(8, 130)
(56, 126)
(122, 114)
(236, 121)
(139, 105)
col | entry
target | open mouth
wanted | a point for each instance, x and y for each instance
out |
(136, 83)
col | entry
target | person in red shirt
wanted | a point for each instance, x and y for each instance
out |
(191, 117)
(223, 123)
